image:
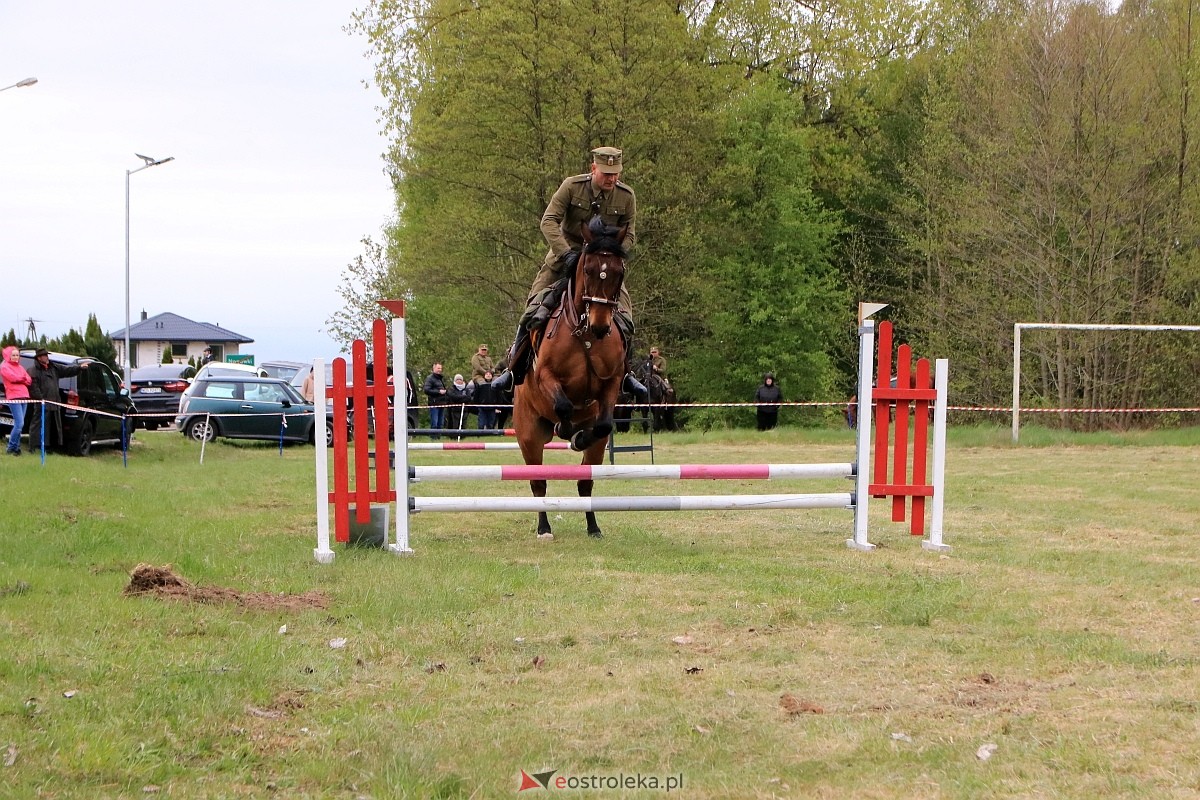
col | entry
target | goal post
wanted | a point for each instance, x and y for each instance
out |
(1020, 326)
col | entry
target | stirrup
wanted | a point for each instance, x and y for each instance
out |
(633, 386)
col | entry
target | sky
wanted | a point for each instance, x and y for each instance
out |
(277, 176)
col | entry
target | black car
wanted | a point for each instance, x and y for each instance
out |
(156, 391)
(96, 388)
(247, 407)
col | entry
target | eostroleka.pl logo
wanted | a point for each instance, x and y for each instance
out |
(547, 780)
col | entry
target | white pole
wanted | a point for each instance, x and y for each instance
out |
(866, 357)
(1016, 409)
(400, 425)
(639, 503)
(323, 553)
(941, 383)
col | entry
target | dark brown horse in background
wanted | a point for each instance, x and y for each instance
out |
(578, 367)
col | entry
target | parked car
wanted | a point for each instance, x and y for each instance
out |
(156, 390)
(247, 407)
(96, 388)
(283, 369)
(298, 379)
(230, 368)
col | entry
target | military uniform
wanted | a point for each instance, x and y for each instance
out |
(577, 200)
(569, 210)
(659, 365)
(481, 362)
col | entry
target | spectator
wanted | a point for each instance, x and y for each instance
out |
(481, 362)
(207, 357)
(768, 393)
(658, 366)
(458, 393)
(487, 400)
(16, 387)
(44, 386)
(309, 390)
(435, 390)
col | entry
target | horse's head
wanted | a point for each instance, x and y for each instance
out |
(599, 276)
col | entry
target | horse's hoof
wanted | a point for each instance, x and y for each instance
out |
(545, 537)
(596, 534)
(578, 442)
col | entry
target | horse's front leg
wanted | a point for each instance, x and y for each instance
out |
(564, 411)
(593, 456)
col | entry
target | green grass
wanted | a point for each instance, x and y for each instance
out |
(1062, 628)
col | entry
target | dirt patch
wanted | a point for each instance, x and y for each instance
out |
(162, 582)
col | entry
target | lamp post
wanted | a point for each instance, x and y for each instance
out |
(150, 162)
(26, 82)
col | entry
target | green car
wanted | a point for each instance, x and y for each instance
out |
(248, 407)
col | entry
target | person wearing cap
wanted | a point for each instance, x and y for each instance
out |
(207, 357)
(44, 386)
(579, 199)
(658, 365)
(481, 362)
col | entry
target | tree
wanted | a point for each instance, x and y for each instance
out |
(777, 301)
(97, 344)
(1046, 190)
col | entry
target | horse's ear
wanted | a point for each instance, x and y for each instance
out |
(585, 232)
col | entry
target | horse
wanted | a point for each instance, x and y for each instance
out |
(578, 368)
(660, 391)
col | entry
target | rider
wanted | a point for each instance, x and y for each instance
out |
(658, 365)
(578, 200)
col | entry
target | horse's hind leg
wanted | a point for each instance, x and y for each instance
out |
(538, 488)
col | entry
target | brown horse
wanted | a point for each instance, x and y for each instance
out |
(578, 368)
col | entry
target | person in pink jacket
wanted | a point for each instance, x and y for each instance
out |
(16, 387)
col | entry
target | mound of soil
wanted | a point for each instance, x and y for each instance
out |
(162, 582)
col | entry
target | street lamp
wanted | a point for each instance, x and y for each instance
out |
(150, 162)
(26, 82)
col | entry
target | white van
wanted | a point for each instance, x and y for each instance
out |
(217, 368)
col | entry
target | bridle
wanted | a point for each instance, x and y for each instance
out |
(581, 323)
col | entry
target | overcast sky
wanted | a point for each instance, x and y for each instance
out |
(278, 170)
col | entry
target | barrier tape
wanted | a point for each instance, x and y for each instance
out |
(799, 404)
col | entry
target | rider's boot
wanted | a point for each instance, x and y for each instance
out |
(517, 360)
(631, 385)
(537, 313)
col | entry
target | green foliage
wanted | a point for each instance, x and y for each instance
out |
(97, 344)
(166, 356)
(776, 300)
(10, 339)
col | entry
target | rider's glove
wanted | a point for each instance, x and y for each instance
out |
(569, 259)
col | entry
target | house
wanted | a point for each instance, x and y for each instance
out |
(151, 336)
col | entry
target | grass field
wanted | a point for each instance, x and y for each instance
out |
(747, 654)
